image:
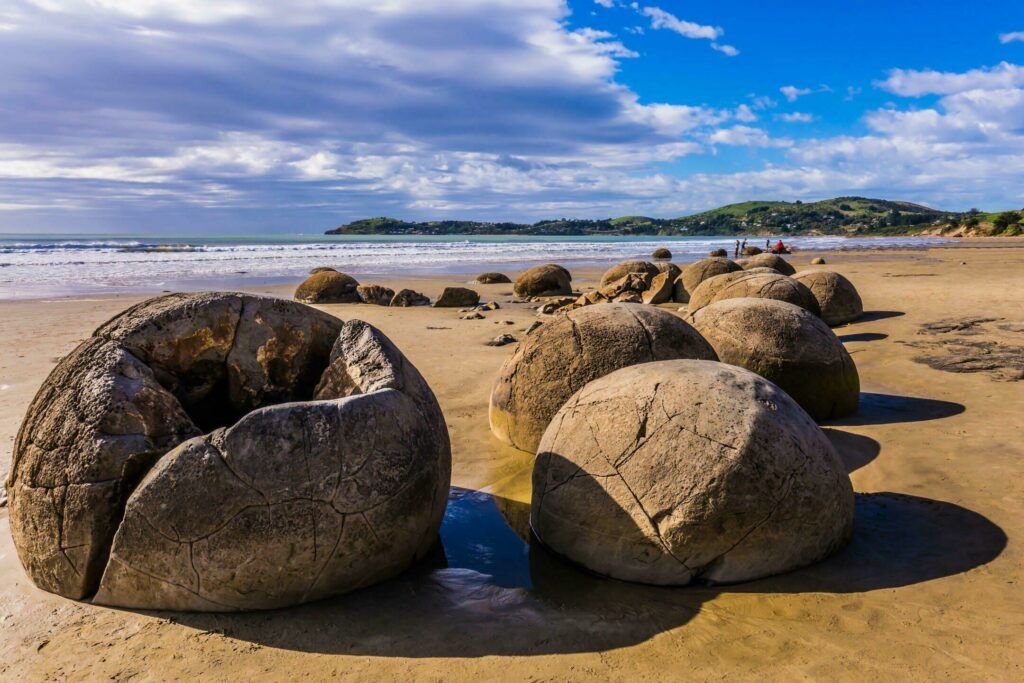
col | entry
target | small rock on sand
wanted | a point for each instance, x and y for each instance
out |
(501, 340)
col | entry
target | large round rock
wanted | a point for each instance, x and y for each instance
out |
(621, 270)
(838, 298)
(562, 355)
(699, 271)
(757, 285)
(226, 451)
(546, 280)
(680, 471)
(787, 345)
(328, 287)
(776, 263)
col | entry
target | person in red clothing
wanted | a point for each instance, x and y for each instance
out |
(780, 248)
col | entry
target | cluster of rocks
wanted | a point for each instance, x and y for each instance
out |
(220, 452)
(671, 450)
(328, 286)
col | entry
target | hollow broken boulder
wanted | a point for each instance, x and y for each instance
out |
(199, 472)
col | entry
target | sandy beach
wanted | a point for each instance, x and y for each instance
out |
(929, 588)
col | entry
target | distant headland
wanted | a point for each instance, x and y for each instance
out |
(854, 216)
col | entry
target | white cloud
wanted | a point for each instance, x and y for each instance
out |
(660, 19)
(913, 83)
(795, 117)
(605, 3)
(745, 114)
(1012, 37)
(792, 93)
(747, 136)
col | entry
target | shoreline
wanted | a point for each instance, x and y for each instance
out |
(467, 270)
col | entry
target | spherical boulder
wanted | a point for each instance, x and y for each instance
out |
(699, 271)
(328, 287)
(457, 297)
(776, 263)
(621, 270)
(322, 269)
(672, 269)
(662, 254)
(682, 471)
(718, 252)
(562, 355)
(788, 346)
(818, 261)
(227, 452)
(751, 251)
(839, 300)
(492, 279)
(757, 285)
(546, 280)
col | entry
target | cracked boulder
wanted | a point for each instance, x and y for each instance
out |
(177, 459)
(752, 285)
(837, 297)
(561, 356)
(788, 346)
(687, 471)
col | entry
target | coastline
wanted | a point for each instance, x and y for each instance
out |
(921, 592)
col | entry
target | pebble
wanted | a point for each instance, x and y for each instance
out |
(502, 339)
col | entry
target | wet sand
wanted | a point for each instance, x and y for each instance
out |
(929, 588)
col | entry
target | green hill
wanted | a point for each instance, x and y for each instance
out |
(839, 216)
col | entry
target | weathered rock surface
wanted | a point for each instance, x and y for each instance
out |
(699, 271)
(718, 252)
(407, 297)
(630, 282)
(662, 254)
(672, 269)
(757, 285)
(243, 517)
(838, 299)
(773, 261)
(492, 279)
(562, 355)
(621, 270)
(546, 280)
(322, 269)
(328, 287)
(750, 251)
(375, 294)
(659, 291)
(455, 297)
(681, 471)
(787, 345)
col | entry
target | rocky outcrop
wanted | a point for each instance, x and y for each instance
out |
(408, 297)
(457, 297)
(375, 294)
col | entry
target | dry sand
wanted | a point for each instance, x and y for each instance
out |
(930, 587)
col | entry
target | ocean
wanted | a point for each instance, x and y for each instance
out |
(60, 265)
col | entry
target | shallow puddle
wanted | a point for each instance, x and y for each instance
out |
(477, 536)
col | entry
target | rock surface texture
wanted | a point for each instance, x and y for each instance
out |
(757, 285)
(199, 473)
(621, 270)
(456, 297)
(787, 345)
(375, 294)
(562, 355)
(662, 254)
(839, 300)
(407, 297)
(546, 280)
(681, 471)
(328, 287)
(699, 271)
(776, 263)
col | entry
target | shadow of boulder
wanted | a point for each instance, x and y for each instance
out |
(870, 316)
(877, 409)
(862, 337)
(855, 450)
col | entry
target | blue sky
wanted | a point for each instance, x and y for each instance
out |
(257, 115)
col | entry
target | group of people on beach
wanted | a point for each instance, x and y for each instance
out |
(779, 247)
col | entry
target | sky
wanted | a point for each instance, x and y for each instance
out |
(190, 116)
